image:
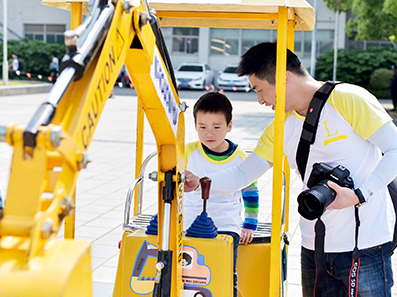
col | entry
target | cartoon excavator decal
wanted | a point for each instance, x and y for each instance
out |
(146, 258)
(195, 274)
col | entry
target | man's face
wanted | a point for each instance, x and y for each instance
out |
(266, 91)
(212, 129)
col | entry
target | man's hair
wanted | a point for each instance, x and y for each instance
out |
(260, 60)
(213, 102)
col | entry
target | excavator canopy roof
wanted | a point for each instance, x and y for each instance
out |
(248, 14)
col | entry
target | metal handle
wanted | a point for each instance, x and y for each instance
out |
(129, 199)
(205, 190)
(138, 182)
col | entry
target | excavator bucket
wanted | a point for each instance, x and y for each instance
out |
(65, 265)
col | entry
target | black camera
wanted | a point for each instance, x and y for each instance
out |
(313, 201)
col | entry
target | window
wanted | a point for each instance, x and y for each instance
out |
(228, 42)
(191, 68)
(351, 43)
(251, 37)
(185, 40)
(303, 42)
(224, 41)
(46, 33)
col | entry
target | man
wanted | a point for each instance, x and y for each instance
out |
(54, 68)
(15, 66)
(393, 88)
(353, 131)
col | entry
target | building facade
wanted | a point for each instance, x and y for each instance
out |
(217, 47)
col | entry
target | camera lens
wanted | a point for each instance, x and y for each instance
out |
(313, 202)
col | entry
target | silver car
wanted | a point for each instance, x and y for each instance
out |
(194, 76)
(228, 80)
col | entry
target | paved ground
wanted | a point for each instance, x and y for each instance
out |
(102, 187)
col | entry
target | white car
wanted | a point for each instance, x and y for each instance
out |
(229, 80)
(194, 76)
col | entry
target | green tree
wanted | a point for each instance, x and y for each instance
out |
(374, 19)
(337, 6)
(390, 7)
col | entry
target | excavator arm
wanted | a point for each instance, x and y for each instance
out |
(50, 151)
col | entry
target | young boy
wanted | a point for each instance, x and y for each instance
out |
(213, 120)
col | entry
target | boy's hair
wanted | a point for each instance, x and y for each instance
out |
(213, 102)
(260, 60)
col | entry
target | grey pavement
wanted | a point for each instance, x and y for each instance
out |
(102, 187)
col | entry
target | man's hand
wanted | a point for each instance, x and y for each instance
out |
(192, 181)
(246, 236)
(345, 197)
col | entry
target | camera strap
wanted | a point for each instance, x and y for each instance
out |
(309, 128)
(308, 136)
(319, 255)
(353, 276)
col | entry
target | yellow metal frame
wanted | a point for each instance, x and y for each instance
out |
(28, 233)
(285, 17)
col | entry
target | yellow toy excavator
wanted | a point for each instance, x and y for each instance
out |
(50, 151)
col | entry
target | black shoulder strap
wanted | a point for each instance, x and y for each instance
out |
(309, 128)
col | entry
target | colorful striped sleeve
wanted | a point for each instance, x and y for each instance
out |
(251, 204)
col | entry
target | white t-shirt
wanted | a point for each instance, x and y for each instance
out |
(54, 64)
(15, 64)
(349, 117)
(223, 208)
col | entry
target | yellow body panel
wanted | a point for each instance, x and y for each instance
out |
(207, 265)
(62, 269)
(46, 191)
(255, 259)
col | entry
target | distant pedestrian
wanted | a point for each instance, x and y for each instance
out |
(1, 205)
(54, 68)
(393, 87)
(14, 66)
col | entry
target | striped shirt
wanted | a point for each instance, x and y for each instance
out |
(223, 208)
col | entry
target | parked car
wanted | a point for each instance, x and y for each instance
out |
(194, 76)
(229, 80)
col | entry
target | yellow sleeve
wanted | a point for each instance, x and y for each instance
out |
(189, 149)
(264, 147)
(241, 152)
(359, 108)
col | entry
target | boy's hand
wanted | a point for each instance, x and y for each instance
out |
(192, 181)
(246, 236)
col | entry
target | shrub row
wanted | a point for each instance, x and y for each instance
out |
(370, 69)
(35, 55)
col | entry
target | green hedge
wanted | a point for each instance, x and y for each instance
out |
(35, 55)
(381, 79)
(355, 66)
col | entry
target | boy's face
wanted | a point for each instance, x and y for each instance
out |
(212, 129)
